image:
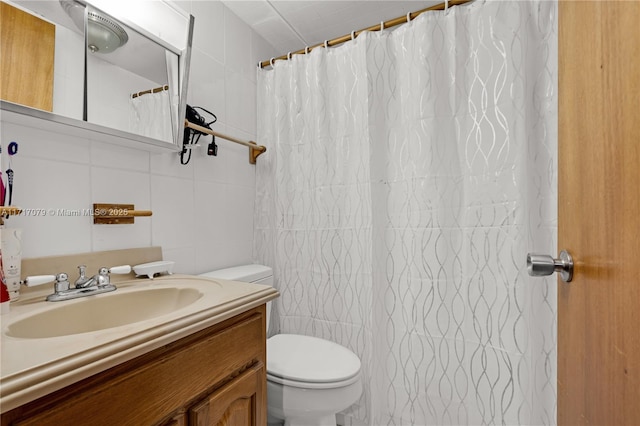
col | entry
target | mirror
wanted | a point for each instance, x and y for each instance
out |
(128, 73)
(131, 79)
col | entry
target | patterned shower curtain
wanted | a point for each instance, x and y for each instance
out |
(408, 173)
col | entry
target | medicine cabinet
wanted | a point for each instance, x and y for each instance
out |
(118, 69)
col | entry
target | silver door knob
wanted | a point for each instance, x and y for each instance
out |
(539, 265)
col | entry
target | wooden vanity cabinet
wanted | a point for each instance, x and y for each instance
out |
(236, 403)
(214, 377)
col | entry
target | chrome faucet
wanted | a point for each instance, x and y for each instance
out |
(99, 279)
(82, 280)
(84, 286)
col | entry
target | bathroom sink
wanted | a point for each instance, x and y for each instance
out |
(103, 311)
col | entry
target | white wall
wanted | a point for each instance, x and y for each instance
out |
(109, 90)
(202, 212)
(68, 78)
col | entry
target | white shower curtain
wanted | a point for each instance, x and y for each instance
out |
(407, 174)
(152, 115)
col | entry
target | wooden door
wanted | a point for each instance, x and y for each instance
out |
(241, 402)
(599, 213)
(27, 46)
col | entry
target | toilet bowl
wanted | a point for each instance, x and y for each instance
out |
(309, 379)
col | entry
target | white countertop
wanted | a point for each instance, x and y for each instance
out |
(33, 367)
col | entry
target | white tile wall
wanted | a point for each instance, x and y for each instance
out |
(202, 212)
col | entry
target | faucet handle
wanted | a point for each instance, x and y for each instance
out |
(104, 273)
(62, 282)
(61, 279)
(35, 280)
(122, 269)
(82, 270)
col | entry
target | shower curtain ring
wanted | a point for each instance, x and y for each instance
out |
(446, 5)
(408, 16)
(326, 44)
(306, 50)
(289, 56)
(353, 35)
(272, 61)
(381, 25)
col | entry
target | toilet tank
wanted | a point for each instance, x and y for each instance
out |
(256, 274)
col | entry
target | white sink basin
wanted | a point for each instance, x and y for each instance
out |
(103, 311)
(45, 346)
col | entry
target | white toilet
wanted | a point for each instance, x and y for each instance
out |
(309, 380)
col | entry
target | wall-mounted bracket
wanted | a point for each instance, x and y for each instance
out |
(6, 211)
(10, 211)
(255, 151)
(116, 214)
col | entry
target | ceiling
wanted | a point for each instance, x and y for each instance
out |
(291, 25)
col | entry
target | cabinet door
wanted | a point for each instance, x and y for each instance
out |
(241, 402)
(28, 49)
(177, 420)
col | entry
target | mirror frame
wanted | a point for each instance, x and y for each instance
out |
(33, 117)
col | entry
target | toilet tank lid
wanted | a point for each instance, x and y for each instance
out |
(245, 273)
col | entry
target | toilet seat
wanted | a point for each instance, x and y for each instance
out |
(310, 362)
(312, 385)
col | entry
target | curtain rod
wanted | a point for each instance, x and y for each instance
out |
(254, 149)
(381, 26)
(156, 90)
